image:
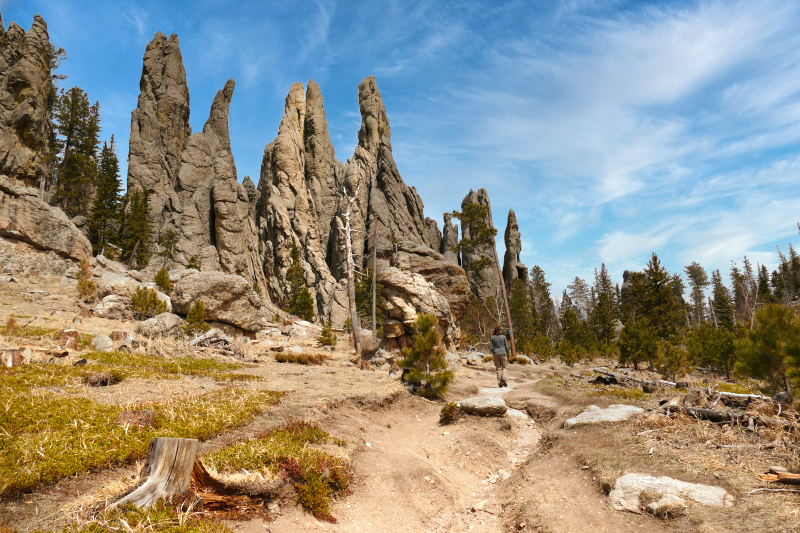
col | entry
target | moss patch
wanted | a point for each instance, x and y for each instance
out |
(295, 452)
(45, 437)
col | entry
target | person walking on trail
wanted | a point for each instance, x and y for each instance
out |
(500, 351)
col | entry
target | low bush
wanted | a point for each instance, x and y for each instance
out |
(87, 290)
(293, 452)
(196, 319)
(147, 304)
(449, 413)
(193, 263)
(327, 337)
(301, 358)
(162, 280)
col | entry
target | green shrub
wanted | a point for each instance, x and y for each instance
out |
(193, 263)
(298, 301)
(301, 358)
(449, 413)
(146, 303)
(637, 343)
(162, 280)
(429, 374)
(257, 290)
(327, 337)
(196, 319)
(674, 361)
(86, 287)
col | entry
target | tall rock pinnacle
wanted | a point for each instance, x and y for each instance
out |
(449, 239)
(159, 127)
(25, 84)
(485, 283)
(512, 268)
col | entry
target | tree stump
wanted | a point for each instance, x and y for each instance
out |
(171, 462)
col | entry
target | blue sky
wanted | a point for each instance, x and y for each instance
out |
(613, 129)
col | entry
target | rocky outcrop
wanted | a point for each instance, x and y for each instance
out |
(512, 267)
(160, 128)
(25, 85)
(288, 217)
(163, 325)
(227, 298)
(407, 294)
(432, 234)
(485, 283)
(24, 217)
(450, 239)
(252, 195)
(449, 280)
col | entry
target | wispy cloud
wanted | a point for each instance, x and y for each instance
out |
(138, 18)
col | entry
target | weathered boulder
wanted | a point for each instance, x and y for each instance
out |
(449, 279)
(512, 267)
(24, 217)
(393, 328)
(164, 325)
(453, 362)
(483, 406)
(227, 298)
(408, 294)
(124, 286)
(25, 86)
(593, 415)
(485, 283)
(103, 343)
(475, 359)
(22, 258)
(115, 307)
(627, 489)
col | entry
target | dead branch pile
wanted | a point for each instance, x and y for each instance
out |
(215, 340)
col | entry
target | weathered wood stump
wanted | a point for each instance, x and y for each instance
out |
(171, 462)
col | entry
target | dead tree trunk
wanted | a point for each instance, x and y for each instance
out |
(351, 286)
(171, 462)
(505, 302)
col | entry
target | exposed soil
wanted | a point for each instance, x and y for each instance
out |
(519, 472)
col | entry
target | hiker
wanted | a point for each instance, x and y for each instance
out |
(500, 351)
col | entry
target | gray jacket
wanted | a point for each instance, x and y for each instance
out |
(499, 345)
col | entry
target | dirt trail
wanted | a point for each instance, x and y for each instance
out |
(414, 475)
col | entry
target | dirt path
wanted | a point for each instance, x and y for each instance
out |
(414, 475)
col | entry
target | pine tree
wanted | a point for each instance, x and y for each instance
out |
(161, 279)
(327, 337)
(299, 301)
(606, 310)
(428, 370)
(547, 320)
(765, 295)
(522, 315)
(196, 319)
(698, 280)
(105, 221)
(771, 350)
(136, 231)
(637, 343)
(722, 305)
(710, 346)
(652, 296)
(77, 128)
(364, 299)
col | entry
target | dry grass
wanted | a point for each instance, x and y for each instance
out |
(301, 358)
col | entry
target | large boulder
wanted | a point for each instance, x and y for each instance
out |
(625, 496)
(408, 294)
(125, 287)
(448, 278)
(594, 415)
(483, 406)
(227, 298)
(24, 217)
(114, 307)
(163, 325)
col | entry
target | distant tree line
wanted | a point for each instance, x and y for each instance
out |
(748, 329)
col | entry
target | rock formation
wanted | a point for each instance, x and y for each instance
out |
(25, 86)
(485, 283)
(191, 178)
(450, 239)
(512, 268)
(432, 234)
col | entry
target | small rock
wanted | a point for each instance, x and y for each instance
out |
(593, 414)
(483, 406)
(143, 418)
(69, 343)
(102, 379)
(393, 328)
(649, 388)
(298, 332)
(103, 343)
(80, 362)
(76, 320)
(296, 350)
(686, 384)
(303, 323)
(784, 398)
(118, 335)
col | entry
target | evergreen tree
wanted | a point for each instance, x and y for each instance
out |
(698, 280)
(653, 296)
(327, 337)
(77, 127)
(522, 315)
(136, 231)
(364, 299)
(606, 309)
(764, 292)
(162, 281)
(674, 361)
(105, 219)
(547, 320)
(196, 319)
(428, 370)
(722, 306)
(771, 350)
(710, 346)
(299, 301)
(637, 343)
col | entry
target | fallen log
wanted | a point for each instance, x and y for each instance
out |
(781, 477)
(718, 417)
(171, 463)
(623, 377)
